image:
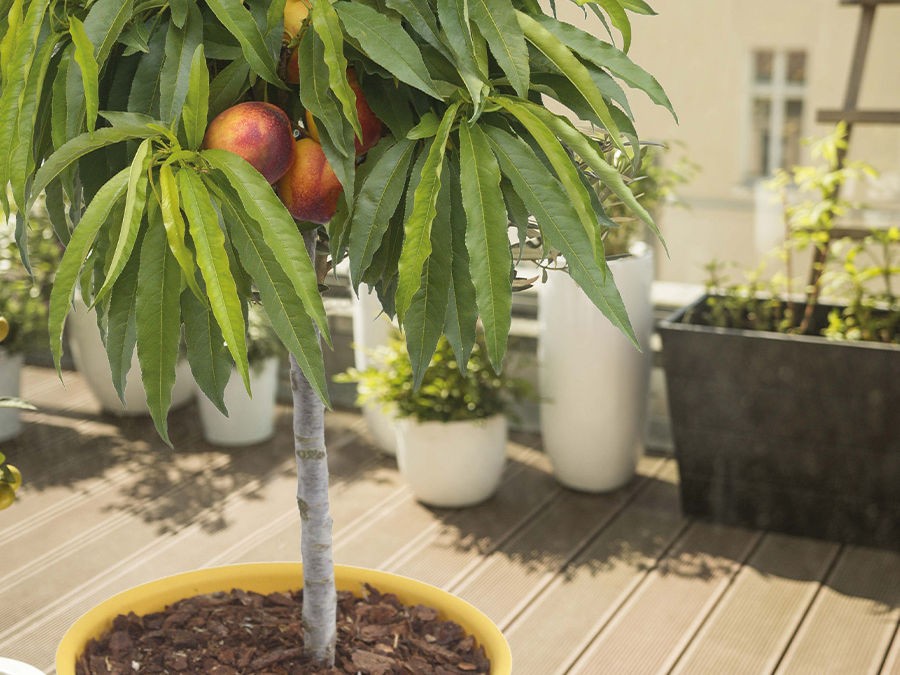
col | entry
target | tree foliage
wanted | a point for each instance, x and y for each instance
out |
(104, 105)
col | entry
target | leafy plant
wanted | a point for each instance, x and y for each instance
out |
(446, 394)
(262, 341)
(24, 297)
(104, 109)
(858, 273)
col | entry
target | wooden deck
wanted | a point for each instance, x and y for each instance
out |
(615, 583)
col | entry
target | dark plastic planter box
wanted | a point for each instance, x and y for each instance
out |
(792, 433)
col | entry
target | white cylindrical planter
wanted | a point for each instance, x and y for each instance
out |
(92, 363)
(593, 381)
(10, 385)
(452, 464)
(372, 329)
(249, 420)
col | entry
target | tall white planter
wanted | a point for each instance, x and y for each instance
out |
(593, 382)
(10, 384)
(249, 420)
(92, 363)
(372, 329)
(452, 464)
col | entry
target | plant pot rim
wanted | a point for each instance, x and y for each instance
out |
(676, 323)
(412, 420)
(270, 577)
(13, 667)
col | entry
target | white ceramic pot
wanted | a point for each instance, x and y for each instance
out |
(10, 385)
(250, 420)
(92, 363)
(372, 329)
(593, 382)
(13, 667)
(452, 464)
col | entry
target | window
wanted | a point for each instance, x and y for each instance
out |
(777, 92)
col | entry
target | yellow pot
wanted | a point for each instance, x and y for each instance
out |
(269, 578)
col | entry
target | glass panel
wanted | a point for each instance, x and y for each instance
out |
(759, 140)
(792, 132)
(796, 67)
(763, 62)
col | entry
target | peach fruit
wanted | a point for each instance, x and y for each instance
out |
(371, 125)
(259, 132)
(295, 14)
(310, 188)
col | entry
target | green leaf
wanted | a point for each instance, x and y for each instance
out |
(240, 23)
(376, 202)
(175, 76)
(209, 242)
(196, 103)
(417, 240)
(179, 9)
(135, 200)
(98, 213)
(121, 326)
(84, 57)
(421, 17)
(462, 308)
(487, 241)
(384, 40)
(560, 226)
(206, 351)
(424, 321)
(327, 27)
(316, 96)
(286, 312)
(170, 210)
(104, 23)
(617, 15)
(496, 19)
(468, 50)
(608, 57)
(80, 146)
(528, 115)
(280, 231)
(569, 65)
(158, 320)
(638, 7)
(144, 94)
(228, 86)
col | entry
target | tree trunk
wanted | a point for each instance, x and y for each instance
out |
(319, 595)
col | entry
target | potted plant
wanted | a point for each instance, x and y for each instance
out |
(783, 407)
(593, 382)
(239, 418)
(157, 132)
(24, 300)
(451, 431)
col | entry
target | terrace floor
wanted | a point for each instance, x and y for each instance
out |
(614, 583)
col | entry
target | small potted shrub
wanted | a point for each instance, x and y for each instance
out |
(239, 418)
(593, 381)
(783, 406)
(452, 430)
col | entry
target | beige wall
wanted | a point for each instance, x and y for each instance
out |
(700, 50)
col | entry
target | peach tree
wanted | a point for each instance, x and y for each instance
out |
(171, 228)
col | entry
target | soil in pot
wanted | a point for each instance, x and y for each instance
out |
(245, 632)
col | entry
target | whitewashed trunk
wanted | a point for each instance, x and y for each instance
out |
(593, 382)
(10, 385)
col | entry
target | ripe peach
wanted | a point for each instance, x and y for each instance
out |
(371, 125)
(292, 68)
(295, 13)
(259, 132)
(310, 188)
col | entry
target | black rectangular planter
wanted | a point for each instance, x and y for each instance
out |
(790, 433)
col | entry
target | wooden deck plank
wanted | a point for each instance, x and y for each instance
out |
(892, 660)
(853, 620)
(753, 624)
(651, 630)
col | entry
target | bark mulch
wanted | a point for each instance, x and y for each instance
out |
(245, 633)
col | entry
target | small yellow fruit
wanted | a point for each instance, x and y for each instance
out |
(4, 328)
(16, 477)
(7, 496)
